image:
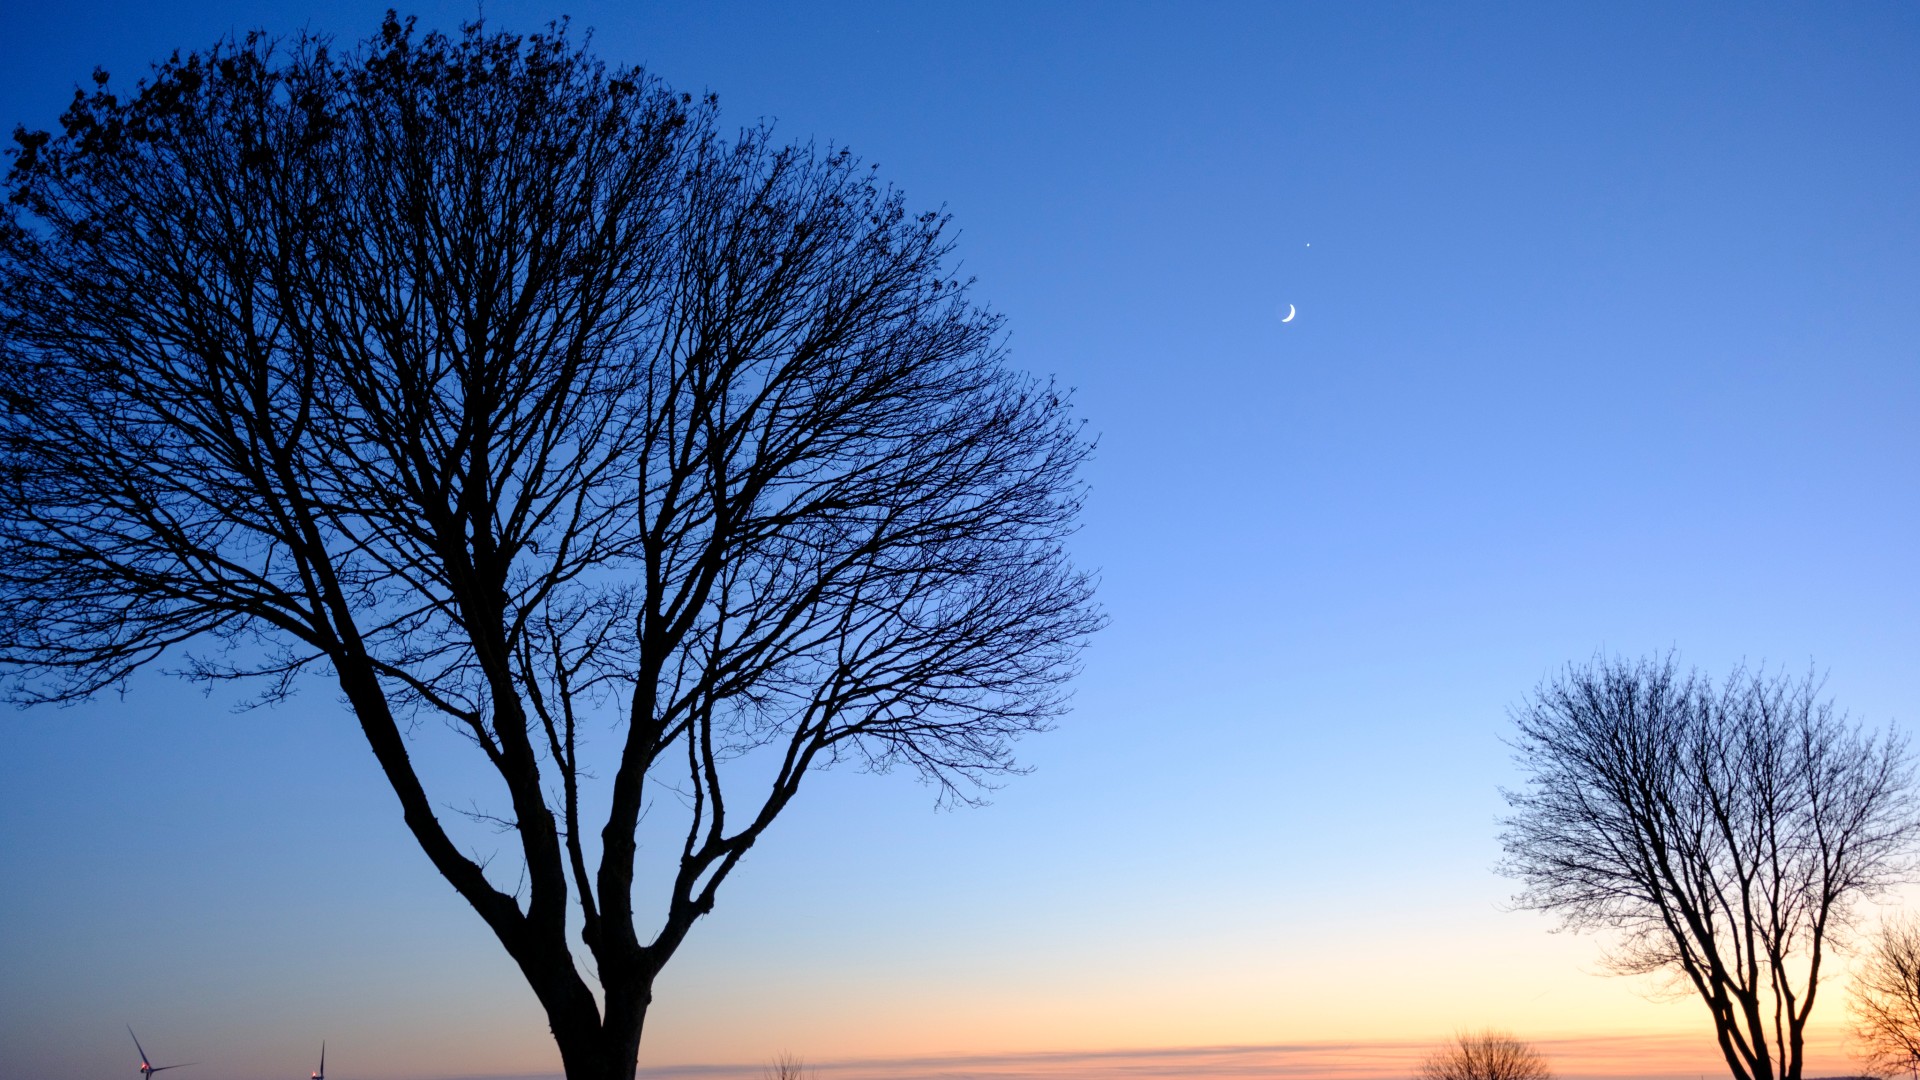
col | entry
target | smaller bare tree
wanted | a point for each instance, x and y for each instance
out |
(1886, 999)
(1725, 833)
(785, 1067)
(1485, 1055)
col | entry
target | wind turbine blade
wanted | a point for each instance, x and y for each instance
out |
(323, 1057)
(137, 1046)
(182, 1065)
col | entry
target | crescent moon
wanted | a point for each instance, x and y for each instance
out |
(1290, 314)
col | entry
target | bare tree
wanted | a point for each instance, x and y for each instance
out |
(1724, 832)
(1485, 1055)
(496, 386)
(785, 1067)
(1886, 999)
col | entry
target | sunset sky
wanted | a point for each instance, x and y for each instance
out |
(1608, 340)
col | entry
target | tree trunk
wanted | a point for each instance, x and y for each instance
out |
(609, 1049)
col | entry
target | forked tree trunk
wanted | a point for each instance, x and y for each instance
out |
(593, 1048)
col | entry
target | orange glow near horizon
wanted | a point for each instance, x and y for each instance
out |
(1397, 989)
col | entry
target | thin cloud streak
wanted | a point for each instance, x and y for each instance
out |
(1632, 1057)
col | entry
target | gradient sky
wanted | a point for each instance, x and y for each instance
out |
(1607, 340)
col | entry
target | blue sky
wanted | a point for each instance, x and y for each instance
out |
(1606, 340)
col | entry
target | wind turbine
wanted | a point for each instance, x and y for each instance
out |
(321, 1072)
(146, 1068)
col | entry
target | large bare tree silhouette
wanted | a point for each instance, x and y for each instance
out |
(493, 384)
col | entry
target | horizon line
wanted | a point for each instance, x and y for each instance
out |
(1666, 1055)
